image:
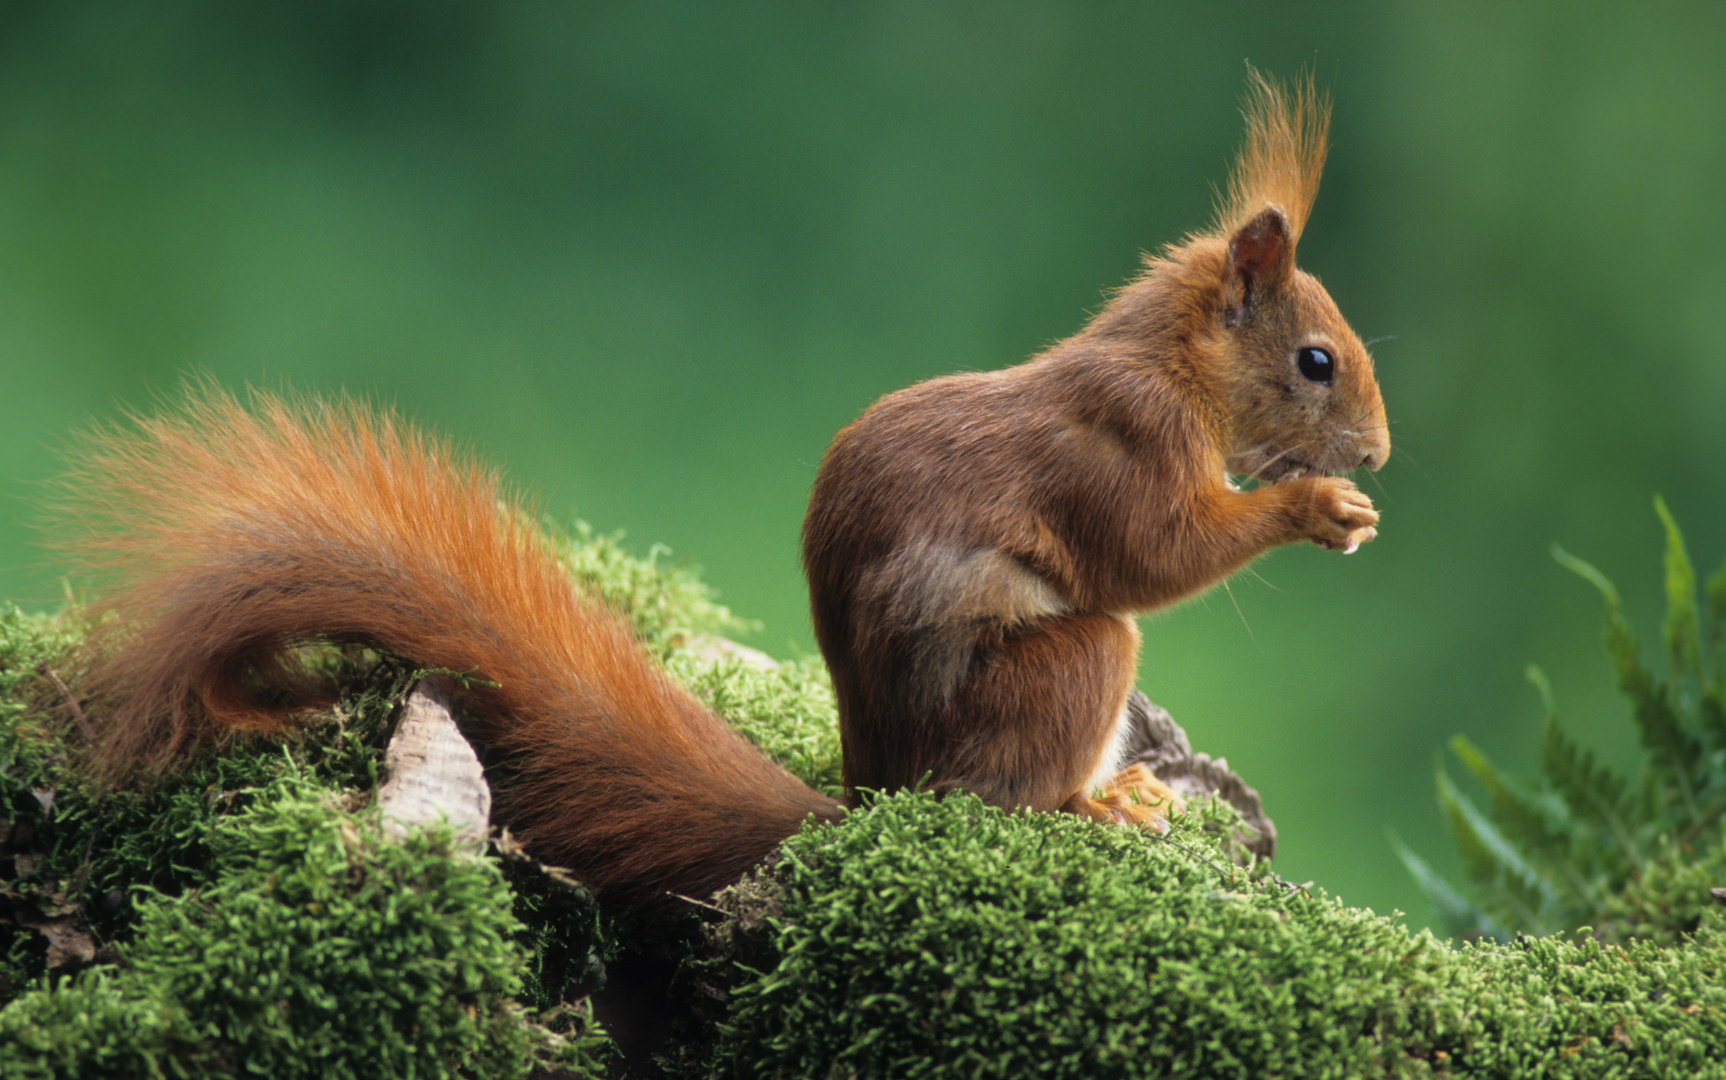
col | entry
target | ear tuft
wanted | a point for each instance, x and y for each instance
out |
(1279, 165)
(1262, 250)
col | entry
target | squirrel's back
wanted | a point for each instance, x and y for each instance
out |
(231, 536)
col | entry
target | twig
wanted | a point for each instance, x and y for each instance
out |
(78, 716)
(701, 903)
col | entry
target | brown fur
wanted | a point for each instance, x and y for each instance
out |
(975, 543)
(234, 535)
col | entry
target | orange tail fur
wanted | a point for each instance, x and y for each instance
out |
(232, 536)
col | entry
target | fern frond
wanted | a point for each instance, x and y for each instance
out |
(1595, 795)
(1530, 826)
(1626, 852)
(1673, 750)
(1504, 880)
(1460, 916)
(1713, 715)
(1591, 792)
(1715, 590)
(1713, 706)
(1682, 628)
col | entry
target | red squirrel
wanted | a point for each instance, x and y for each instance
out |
(975, 546)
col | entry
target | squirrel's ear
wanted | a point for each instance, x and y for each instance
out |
(1262, 250)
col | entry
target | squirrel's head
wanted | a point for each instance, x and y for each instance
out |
(1294, 383)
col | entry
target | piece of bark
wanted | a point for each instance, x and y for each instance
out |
(712, 648)
(432, 771)
(70, 946)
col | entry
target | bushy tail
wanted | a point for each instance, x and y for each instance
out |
(231, 536)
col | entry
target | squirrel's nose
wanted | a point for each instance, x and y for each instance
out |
(1375, 457)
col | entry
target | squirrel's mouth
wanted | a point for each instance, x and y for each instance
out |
(1267, 464)
(1283, 469)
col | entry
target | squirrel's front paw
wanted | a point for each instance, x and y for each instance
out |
(1342, 516)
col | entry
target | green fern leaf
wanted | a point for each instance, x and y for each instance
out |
(1674, 752)
(1589, 842)
(1682, 628)
(1592, 793)
(1529, 826)
(1714, 589)
(1507, 885)
(1713, 714)
(1714, 674)
(1460, 916)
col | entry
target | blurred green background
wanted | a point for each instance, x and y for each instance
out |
(648, 257)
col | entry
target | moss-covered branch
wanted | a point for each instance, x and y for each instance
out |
(246, 913)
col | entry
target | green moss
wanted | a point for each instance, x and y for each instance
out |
(322, 949)
(40, 860)
(565, 936)
(71, 850)
(928, 937)
(1555, 1008)
(933, 938)
(787, 711)
(1670, 895)
(32, 753)
(99, 1026)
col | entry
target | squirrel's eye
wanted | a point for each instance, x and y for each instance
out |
(1315, 364)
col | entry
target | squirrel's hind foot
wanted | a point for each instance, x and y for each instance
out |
(1133, 796)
